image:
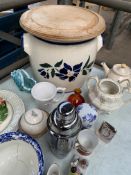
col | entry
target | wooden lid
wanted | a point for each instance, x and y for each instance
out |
(62, 23)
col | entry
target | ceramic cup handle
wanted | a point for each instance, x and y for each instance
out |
(91, 78)
(61, 95)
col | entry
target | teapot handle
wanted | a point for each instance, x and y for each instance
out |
(92, 78)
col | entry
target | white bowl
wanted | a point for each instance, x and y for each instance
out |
(53, 170)
(20, 155)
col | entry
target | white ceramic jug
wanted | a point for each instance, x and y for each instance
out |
(107, 94)
(65, 65)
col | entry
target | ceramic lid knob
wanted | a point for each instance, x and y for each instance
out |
(122, 69)
(34, 116)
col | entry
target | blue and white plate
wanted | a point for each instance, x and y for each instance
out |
(87, 113)
(20, 155)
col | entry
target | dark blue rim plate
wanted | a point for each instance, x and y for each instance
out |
(20, 136)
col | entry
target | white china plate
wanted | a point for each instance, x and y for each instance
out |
(18, 109)
(6, 122)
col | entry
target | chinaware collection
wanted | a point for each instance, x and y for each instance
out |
(61, 61)
(120, 73)
(107, 94)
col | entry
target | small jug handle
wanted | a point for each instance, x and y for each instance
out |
(128, 85)
(59, 97)
(126, 88)
(92, 78)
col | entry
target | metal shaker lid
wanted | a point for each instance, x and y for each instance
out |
(65, 115)
(64, 120)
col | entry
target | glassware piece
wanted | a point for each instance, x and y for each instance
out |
(76, 98)
(23, 80)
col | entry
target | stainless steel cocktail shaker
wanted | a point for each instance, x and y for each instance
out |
(63, 125)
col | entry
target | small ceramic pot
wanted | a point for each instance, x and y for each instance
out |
(87, 113)
(34, 122)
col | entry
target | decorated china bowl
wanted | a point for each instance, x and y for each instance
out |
(87, 113)
(20, 154)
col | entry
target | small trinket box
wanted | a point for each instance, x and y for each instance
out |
(106, 132)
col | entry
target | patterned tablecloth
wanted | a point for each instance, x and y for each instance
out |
(113, 158)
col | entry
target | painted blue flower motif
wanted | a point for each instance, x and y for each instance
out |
(44, 73)
(91, 117)
(68, 72)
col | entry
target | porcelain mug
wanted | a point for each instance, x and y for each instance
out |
(86, 142)
(107, 94)
(46, 93)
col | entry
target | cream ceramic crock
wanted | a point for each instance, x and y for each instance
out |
(63, 65)
(70, 38)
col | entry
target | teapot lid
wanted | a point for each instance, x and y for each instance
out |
(122, 69)
(62, 23)
(34, 116)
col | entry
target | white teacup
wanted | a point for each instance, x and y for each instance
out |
(45, 94)
(86, 142)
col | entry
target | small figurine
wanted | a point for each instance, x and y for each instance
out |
(76, 98)
(83, 163)
(74, 169)
(78, 165)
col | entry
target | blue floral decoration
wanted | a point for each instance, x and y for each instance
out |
(20, 136)
(44, 73)
(89, 117)
(67, 72)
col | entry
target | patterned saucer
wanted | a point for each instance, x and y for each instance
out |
(16, 105)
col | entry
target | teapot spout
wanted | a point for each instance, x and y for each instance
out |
(105, 67)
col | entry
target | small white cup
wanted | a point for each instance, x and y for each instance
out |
(86, 142)
(45, 94)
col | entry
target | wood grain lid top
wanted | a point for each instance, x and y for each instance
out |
(62, 23)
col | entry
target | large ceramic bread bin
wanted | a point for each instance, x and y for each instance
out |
(63, 43)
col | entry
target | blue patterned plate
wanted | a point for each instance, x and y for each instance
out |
(20, 155)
